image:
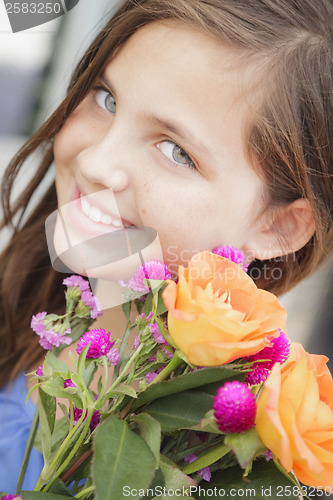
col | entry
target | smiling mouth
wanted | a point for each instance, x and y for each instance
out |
(96, 215)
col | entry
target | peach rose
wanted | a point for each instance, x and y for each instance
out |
(217, 313)
(295, 417)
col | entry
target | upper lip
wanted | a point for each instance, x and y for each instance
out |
(105, 210)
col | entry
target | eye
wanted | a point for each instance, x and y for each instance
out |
(175, 153)
(105, 100)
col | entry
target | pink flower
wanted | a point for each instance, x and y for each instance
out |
(76, 281)
(150, 376)
(113, 356)
(232, 254)
(11, 497)
(150, 270)
(99, 340)
(37, 322)
(68, 383)
(155, 331)
(278, 353)
(204, 473)
(39, 371)
(234, 408)
(93, 302)
(49, 339)
(77, 413)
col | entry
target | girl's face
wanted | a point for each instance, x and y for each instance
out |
(160, 141)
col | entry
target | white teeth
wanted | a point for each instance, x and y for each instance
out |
(96, 215)
(106, 219)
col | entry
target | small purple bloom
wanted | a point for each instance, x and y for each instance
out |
(155, 331)
(37, 322)
(91, 301)
(39, 371)
(68, 383)
(234, 408)
(150, 376)
(278, 353)
(11, 497)
(204, 473)
(100, 343)
(150, 270)
(113, 356)
(136, 343)
(77, 413)
(49, 339)
(77, 281)
(268, 455)
(232, 254)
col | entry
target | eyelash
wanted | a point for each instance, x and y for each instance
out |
(191, 165)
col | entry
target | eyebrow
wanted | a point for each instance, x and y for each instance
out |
(179, 130)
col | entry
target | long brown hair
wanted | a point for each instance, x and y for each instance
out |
(289, 140)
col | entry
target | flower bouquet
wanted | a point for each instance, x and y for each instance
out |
(211, 399)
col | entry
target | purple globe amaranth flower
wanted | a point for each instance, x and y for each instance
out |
(232, 254)
(39, 371)
(152, 269)
(204, 473)
(113, 356)
(277, 353)
(95, 419)
(155, 331)
(234, 408)
(100, 343)
(68, 383)
(76, 281)
(93, 302)
(11, 497)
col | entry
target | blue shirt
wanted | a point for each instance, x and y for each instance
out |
(15, 422)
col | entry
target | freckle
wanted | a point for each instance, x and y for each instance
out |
(144, 211)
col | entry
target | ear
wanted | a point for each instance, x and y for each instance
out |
(291, 228)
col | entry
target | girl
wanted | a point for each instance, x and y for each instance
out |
(210, 121)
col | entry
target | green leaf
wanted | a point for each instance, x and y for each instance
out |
(208, 424)
(150, 431)
(148, 304)
(81, 360)
(181, 383)
(177, 484)
(155, 285)
(127, 390)
(55, 387)
(265, 481)
(89, 373)
(39, 495)
(55, 363)
(59, 488)
(47, 409)
(61, 428)
(122, 459)
(180, 411)
(244, 445)
(126, 307)
(208, 458)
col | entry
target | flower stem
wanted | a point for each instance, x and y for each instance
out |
(127, 366)
(75, 448)
(174, 363)
(30, 442)
(99, 402)
(83, 493)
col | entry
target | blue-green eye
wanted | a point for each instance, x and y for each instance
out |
(105, 100)
(175, 153)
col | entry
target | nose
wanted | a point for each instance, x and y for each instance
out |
(105, 161)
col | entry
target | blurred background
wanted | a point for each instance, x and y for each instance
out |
(35, 68)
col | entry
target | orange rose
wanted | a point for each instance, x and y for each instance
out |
(217, 313)
(295, 417)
